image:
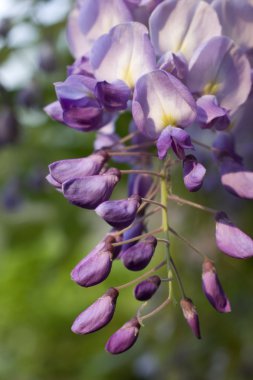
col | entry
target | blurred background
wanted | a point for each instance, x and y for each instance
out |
(42, 237)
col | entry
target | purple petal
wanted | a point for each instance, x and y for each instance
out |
(54, 110)
(210, 114)
(77, 42)
(147, 288)
(85, 119)
(125, 53)
(134, 231)
(219, 68)
(96, 266)
(114, 96)
(236, 179)
(138, 256)
(119, 214)
(53, 182)
(231, 240)
(174, 64)
(124, 338)
(90, 191)
(191, 316)
(139, 184)
(65, 170)
(160, 100)
(193, 173)
(97, 315)
(181, 26)
(212, 288)
(81, 66)
(224, 146)
(173, 137)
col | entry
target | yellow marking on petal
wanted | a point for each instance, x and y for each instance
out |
(168, 119)
(211, 88)
(127, 76)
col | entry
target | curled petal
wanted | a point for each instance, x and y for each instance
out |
(125, 53)
(124, 338)
(212, 288)
(119, 214)
(97, 315)
(138, 256)
(114, 96)
(90, 191)
(54, 110)
(193, 173)
(85, 119)
(175, 138)
(231, 240)
(175, 64)
(181, 26)
(210, 114)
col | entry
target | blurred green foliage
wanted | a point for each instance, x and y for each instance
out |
(42, 237)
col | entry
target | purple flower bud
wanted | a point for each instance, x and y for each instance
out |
(210, 114)
(191, 316)
(97, 315)
(231, 240)
(139, 184)
(119, 214)
(147, 288)
(90, 191)
(139, 255)
(65, 170)
(212, 288)
(114, 96)
(55, 111)
(124, 338)
(96, 266)
(193, 173)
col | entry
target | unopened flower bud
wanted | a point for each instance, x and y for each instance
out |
(147, 288)
(97, 315)
(114, 96)
(191, 316)
(90, 191)
(124, 338)
(231, 240)
(213, 289)
(96, 266)
(120, 213)
(139, 255)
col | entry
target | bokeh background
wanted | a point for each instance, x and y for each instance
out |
(42, 237)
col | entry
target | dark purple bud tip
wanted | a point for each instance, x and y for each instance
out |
(124, 338)
(139, 255)
(231, 240)
(191, 316)
(193, 173)
(213, 289)
(97, 315)
(147, 288)
(96, 266)
(119, 214)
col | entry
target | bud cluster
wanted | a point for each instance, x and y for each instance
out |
(171, 64)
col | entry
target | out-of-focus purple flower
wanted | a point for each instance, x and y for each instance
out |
(121, 213)
(96, 266)
(97, 315)
(90, 191)
(175, 138)
(64, 170)
(181, 26)
(161, 100)
(91, 19)
(147, 288)
(9, 127)
(191, 316)
(114, 96)
(138, 256)
(193, 173)
(47, 60)
(212, 288)
(219, 68)
(139, 184)
(174, 64)
(210, 114)
(125, 53)
(231, 240)
(124, 338)
(236, 18)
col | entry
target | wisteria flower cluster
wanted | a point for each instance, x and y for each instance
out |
(171, 65)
